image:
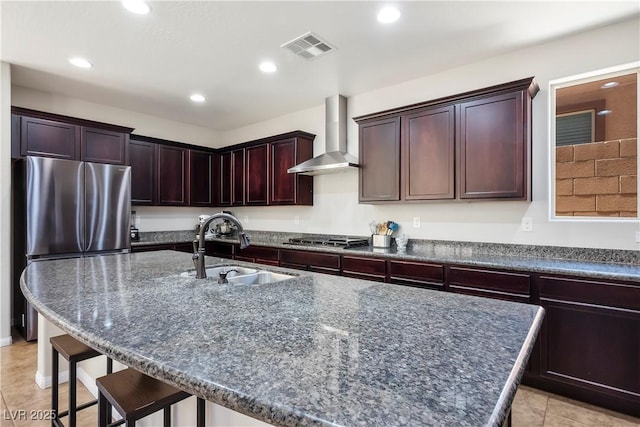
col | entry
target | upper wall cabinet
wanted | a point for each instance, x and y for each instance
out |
(286, 188)
(255, 173)
(171, 173)
(142, 158)
(474, 145)
(36, 133)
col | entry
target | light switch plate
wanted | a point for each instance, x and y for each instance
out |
(416, 222)
(527, 223)
(296, 219)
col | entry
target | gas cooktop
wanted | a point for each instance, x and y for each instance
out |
(344, 242)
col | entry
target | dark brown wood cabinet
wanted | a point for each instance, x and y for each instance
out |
(286, 188)
(49, 138)
(219, 249)
(37, 133)
(379, 173)
(505, 285)
(15, 136)
(171, 165)
(256, 174)
(225, 178)
(419, 274)
(258, 254)
(374, 269)
(201, 178)
(237, 177)
(474, 145)
(590, 341)
(309, 260)
(142, 159)
(428, 154)
(103, 146)
(492, 147)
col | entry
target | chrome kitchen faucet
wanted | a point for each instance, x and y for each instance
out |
(198, 256)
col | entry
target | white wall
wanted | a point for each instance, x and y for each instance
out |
(143, 124)
(5, 204)
(336, 208)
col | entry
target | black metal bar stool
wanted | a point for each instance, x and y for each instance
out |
(73, 351)
(135, 395)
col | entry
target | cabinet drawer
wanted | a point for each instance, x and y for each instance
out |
(590, 292)
(500, 281)
(364, 265)
(224, 250)
(416, 272)
(316, 259)
(261, 252)
(364, 276)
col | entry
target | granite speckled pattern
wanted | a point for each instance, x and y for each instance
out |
(315, 350)
(595, 263)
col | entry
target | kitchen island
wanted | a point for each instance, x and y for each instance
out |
(313, 350)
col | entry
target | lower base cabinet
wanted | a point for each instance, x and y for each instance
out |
(590, 341)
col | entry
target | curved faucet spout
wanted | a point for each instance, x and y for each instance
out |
(198, 257)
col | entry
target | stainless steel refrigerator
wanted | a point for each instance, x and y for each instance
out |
(74, 209)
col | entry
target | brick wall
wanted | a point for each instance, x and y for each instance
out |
(597, 179)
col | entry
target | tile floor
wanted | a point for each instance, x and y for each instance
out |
(18, 391)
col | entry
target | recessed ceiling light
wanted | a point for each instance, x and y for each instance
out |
(268, 67)
(388, 15)
(80, 62)
(609, 85)
(196, 97)
(604, 112)
(136, 6)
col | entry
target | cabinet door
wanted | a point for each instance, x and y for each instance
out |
(492, 148)
(48, 138)
(143, 172)
(256, 174)
(380, 160)
(590, 341)
(225, 179)
(201, 177)
(103, 146)
(289, 188)
(237, 174)
(428, 142)
(172, 174)
(15, 136)
(364, 268)
(505, 285)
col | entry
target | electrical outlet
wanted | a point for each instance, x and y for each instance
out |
(416, 222)
(527, 223)
(638, 236)
(296, 219)
(246, 219)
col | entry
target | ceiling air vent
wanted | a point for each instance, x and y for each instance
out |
(308, 46)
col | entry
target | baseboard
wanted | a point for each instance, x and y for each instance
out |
(45, 382)
(6, 341)
(88, 381)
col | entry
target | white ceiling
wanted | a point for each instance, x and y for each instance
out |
(151, 64)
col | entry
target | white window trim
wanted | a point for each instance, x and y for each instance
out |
(571, 81)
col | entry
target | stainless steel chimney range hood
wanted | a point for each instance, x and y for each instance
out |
(335, 159)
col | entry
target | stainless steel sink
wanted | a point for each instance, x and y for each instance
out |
(238, 275)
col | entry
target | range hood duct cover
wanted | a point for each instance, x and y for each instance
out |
(335, 159)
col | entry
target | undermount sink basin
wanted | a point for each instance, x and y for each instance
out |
(243, 275)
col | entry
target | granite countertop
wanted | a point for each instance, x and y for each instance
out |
(593, 263)
(315, 350)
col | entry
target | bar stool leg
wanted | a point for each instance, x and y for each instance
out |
(103, 411)
(200, 414)
(109, 365)
(54, 386)
(167, 416)
(72, 393)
